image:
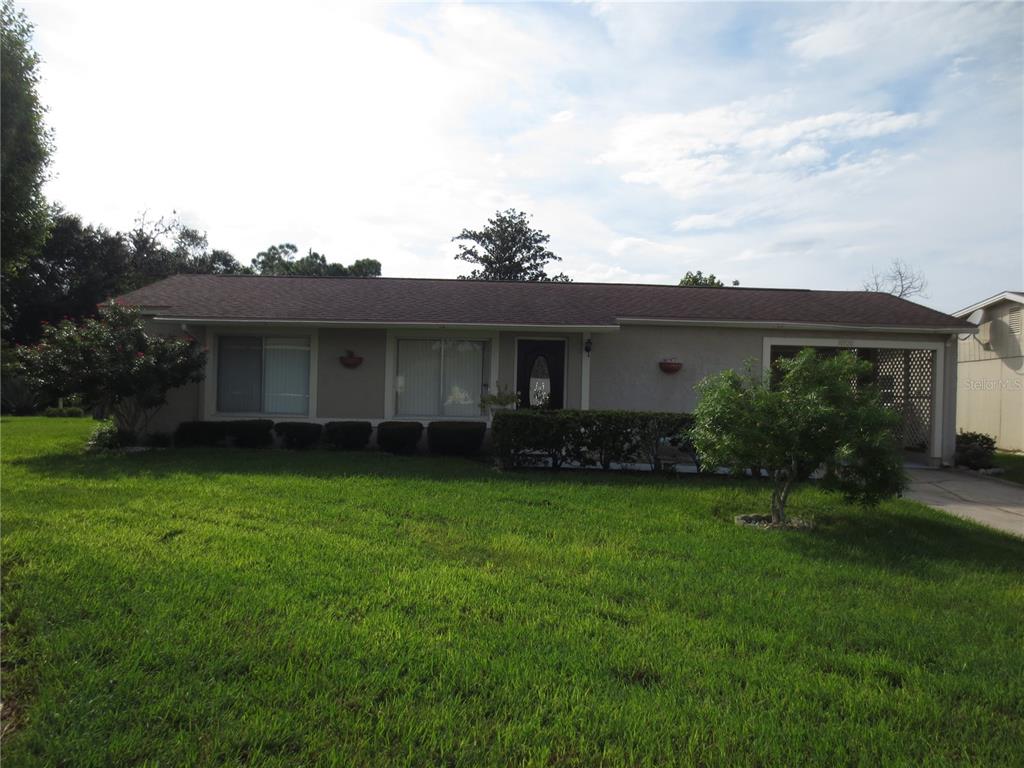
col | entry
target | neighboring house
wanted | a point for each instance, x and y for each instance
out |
(990, 372)
(431, 348)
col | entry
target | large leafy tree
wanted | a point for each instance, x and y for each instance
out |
(78, 267)
(818, 412)
(166, 246)
(25, 145)
(81, 266)
(508, 248)
(113, 362)
(280, 260)
(699, 280)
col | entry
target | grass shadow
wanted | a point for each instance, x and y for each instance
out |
(322, 464)
(908, 540)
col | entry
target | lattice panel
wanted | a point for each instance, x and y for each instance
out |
(906, 379)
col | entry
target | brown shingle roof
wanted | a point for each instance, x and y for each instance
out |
(406, 300)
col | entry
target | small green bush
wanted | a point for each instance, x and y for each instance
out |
(107, 437)
(348, 435)
(815, 411)
(522, 437)
(68, 412)
(654, 429)
(975, 450)
(585, 437)
(200, 433)
(456, 438)
(250, 433)
(608, 437)
(298, 435)
(399, 436)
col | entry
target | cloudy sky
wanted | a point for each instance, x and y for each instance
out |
(793, 145)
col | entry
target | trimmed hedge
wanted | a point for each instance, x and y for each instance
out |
(347, 435)
(298, 435)
(456, 438)
(975, 450)
(587, 438)
(399, 436)
(250, 433)
(207, 433)
(68, 412)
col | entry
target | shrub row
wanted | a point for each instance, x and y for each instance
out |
(975, 450)
(66, 412)
(587, 438)
(461, 438)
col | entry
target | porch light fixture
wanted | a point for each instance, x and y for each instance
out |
(587, 346)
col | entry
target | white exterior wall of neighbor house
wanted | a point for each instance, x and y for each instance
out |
(990, 376)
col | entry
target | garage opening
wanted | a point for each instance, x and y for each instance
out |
(906, 381)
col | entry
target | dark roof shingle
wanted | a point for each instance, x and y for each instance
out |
(429, 302)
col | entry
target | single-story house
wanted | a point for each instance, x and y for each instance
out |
(990, 370)
(377, 349)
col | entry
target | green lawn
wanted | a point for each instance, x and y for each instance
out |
(1012, 464)
(212, 607)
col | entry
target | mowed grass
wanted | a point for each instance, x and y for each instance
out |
(219, 607)
(1012, 464)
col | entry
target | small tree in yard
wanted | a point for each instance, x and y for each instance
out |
(112, 362)
(815, 414)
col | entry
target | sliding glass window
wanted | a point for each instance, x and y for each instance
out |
(440, 377)
(263, 374)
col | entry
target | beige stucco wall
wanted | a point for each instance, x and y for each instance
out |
(573, 362)
(990, 379)
(624, 370)
(184, 403)
(623, 364)
(351, 393)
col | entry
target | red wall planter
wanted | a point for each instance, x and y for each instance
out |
(351, 361)
(670, 366)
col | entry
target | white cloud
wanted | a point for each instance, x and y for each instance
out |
(797, 145)
(709, 152)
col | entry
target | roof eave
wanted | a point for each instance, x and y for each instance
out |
(591, 328)
(797, 326)
(1004, 296)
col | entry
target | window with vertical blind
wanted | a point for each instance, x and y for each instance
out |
(440, 377)
(263, 374)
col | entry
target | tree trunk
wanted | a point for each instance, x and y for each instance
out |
(129, 416)
(780, 494)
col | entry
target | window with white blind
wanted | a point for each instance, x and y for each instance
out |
(440, 377)
(263, 374)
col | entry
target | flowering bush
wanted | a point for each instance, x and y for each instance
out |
(112, 362)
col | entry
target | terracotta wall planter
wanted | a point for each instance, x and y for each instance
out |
(351, 361)
(670, 366)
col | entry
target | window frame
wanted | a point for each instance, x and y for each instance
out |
(215, 333)
(491, 356)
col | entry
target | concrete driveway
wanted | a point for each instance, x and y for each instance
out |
(995, 503)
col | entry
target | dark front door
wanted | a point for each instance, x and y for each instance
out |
(540, 373)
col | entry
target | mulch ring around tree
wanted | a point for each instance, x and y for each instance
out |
(765, 522)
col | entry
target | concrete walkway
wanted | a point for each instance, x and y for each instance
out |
(995, 503)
